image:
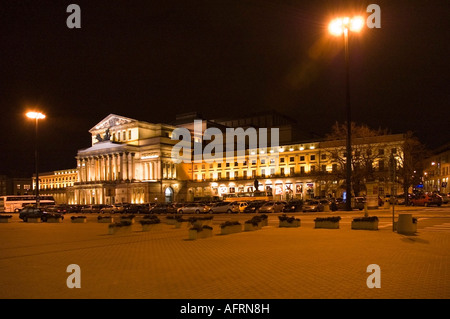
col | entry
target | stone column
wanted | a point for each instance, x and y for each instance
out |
(126, 171)
(121, 166)
(108, 172)
(131, 173)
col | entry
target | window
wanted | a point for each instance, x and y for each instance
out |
(292, 170)
(334, 168)
(323, 156)
(228, 175)
(236, 174)
(245, 174)
(219, 165)
(272, 171)
(324, 168)
(282, 171)
(263, 161)
(281, 159)
(203, 176)
(129, 134)
(253, 173)
(381, 151)
(219, 175)
(291, 159)
(381, 165)
(313, 168)
(227, 164)
(236, 164)
(263, 172)
(118, 136)
(302, 169)
(302, 158)
(313, 157)
(272, 161)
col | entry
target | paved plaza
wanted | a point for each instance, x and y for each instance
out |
(270, 263)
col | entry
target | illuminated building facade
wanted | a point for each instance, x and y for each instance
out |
(56, 184)
(299, 170)
(437, 171)
(130, 161)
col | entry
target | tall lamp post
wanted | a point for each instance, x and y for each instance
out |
(339, 27)
(36, 116)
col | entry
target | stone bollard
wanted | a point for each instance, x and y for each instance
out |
(406, 224)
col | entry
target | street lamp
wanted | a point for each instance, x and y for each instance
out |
(36, 116)
(338, 27)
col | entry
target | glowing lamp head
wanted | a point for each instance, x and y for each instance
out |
(35, 115)
(339, 26)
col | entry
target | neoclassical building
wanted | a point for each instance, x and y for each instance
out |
(129, 161)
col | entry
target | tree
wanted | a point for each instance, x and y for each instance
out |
(365, 145)
(410, 162)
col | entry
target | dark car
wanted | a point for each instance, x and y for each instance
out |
(173, 208)
(137, 209)
(293, 206)
(28, 212)
(160, 208)
(253, 207)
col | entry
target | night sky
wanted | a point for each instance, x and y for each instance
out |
(151, 60)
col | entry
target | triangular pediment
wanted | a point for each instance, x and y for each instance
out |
(110, 121)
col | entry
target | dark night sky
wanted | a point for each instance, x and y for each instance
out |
(151, 60)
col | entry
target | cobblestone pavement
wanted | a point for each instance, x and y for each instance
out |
(271, 263)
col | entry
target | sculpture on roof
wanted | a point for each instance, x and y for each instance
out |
(107, 135)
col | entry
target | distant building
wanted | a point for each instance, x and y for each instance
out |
(15, 185)
(437, 171)
(56, 183)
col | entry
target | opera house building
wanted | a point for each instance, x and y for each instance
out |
(130, 161)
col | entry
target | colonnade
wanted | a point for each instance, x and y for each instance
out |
(107, 167)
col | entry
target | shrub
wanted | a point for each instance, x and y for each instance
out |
(333, 219)
(229, 223)
(150, 221)
(288, 219)
(75, 217)
(366, 219)
(120, 224)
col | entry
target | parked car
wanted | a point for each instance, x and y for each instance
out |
(445, 198)
(160, 208)
(253, 207)
(224, 207)
(27, 212)
(357, 203)
(294, 205)
(173, 207)
(312, 205)
(272, 207)
(136, 209)
(60, 209)
(427, 200)
(242, 206)
(196, 208)
(92, 208)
